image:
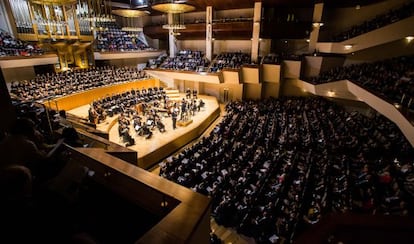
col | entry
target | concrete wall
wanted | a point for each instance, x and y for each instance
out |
(296, 46)
(194, 45)
(312, 66)
(219, 46)
(265, 46)
(217, 90)
(127, 62)
(252, 91)
(251, 75)
(270, 90)
(291, 69)
(18, 74)
(271, 73)
(289, 87)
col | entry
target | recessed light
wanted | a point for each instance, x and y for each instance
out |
(348, 46)
(317, 24)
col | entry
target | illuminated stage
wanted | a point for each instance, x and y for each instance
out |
(151, 151)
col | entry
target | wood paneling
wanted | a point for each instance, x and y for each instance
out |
(223, 30)
(238, 4)
(86, 97)
(185, 215)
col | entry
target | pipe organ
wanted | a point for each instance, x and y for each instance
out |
(65, 26)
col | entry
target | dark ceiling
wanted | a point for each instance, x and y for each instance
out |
(238, 4)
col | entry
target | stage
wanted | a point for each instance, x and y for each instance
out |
(151, 151)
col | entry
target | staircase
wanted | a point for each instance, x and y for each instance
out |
(172, 93)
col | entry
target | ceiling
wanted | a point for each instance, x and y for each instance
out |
(239, 4)
(277, 9)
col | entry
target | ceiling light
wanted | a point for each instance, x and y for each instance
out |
(317, 24)
(132, 29)
(409, 38)
(348, 46)
(129, 13)
(174, 27)
(173, 8)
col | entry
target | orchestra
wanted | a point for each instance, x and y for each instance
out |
(142, 111)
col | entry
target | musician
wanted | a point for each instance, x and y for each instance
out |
(146, 131)
(201, 104)
(160, 125)
(127, 138)
(101, 113)
(194, 106)
(194, 93)
(137, 124)
(93, 115)
(188, 93)
(174, 116)
(183, 108)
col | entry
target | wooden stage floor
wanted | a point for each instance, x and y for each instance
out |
(160, 145)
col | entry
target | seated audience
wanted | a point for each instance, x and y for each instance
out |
(24, 147)
(60, 84)
(392, 79)
(392, 16)
(187, 60)
(230, 60)
(276, 166)
(110, 37)
(10, 46)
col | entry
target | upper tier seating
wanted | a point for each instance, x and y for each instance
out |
(392, 16)
(10, 46)
(392, 78)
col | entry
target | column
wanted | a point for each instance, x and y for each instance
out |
(209, 32)
(317, 20)
(256, 30)
(171, 36)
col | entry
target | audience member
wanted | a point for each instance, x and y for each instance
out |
(22, 147)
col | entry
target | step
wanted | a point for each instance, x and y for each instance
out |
(171, 90)
(172, 93)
